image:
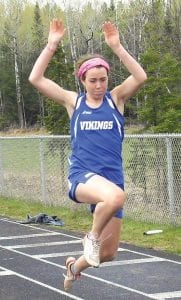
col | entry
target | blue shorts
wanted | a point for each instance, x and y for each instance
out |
(82, 177)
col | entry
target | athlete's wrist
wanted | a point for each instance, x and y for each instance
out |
(51, 47)
(120, 51)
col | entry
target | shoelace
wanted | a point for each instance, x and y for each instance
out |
(96, 246)
(97, 243)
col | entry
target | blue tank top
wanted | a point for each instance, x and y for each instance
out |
(96, 139)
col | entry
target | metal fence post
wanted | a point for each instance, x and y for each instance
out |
(43, 173)
(1, 170)
(171, 193)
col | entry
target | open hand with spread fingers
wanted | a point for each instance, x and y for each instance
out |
(111, 35)
(56, 32)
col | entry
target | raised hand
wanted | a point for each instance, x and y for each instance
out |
(111, 35)
(56, 32)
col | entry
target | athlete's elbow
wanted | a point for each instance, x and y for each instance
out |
(143, 77)
(34, 80)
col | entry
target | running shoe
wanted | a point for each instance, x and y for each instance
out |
(70, 277)
(91, 251)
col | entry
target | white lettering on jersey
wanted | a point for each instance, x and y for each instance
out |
(86, 112)
(96, 125)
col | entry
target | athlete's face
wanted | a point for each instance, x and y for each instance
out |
(96, 82)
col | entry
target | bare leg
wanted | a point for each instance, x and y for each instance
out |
(108, 197)
(110, 238)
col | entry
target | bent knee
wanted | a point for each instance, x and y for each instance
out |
(119, 199)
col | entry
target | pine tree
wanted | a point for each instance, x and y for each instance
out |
(38, 43)
(61, 71)
(160, 97)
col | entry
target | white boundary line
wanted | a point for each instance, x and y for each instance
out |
(44, 285)
(43, 244)
(149, 255)
(14, 237)
(168, 295)
(132, 261)
(58, 254)
(6, 273)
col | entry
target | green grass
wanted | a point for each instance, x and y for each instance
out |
(21, 154)
(80, 221)
(169, 240)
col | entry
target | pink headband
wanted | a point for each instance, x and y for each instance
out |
(91, 63)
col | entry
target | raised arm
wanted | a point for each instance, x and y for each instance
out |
(138, 76)
(46, 86)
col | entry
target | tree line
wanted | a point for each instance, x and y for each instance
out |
(149, 30)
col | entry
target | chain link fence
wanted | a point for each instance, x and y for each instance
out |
(36, 167)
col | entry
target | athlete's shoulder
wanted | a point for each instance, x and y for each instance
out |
(109, 99)
(119, 105)
(79, 99)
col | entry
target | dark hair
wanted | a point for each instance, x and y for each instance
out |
(84, 58)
